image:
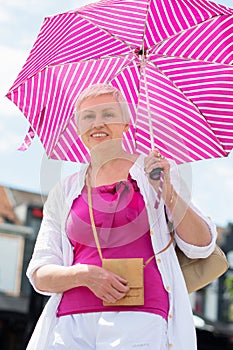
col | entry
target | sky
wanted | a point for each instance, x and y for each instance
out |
(211, 181)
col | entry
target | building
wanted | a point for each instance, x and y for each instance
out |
(214, 303)
(20, 218)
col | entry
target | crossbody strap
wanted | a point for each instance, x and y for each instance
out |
(162, 250)
(92, 218)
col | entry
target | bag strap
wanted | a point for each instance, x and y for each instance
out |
(92, 219)
(162, 250)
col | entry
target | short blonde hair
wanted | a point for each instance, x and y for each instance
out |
(103, 89)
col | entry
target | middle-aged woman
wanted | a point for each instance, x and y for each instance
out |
(67, 261)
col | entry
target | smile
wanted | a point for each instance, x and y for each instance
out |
(99, 134)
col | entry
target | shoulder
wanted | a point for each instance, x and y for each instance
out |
(74, 182)
(68, 186)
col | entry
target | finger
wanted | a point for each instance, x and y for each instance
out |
(150, 163)
(119, 286)
(153, 165)
(153, 157)
(112, 296)
(121, 279)
(116, 294)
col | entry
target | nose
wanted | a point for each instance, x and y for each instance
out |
(98, 121)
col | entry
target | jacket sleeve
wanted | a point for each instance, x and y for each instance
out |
(190, 250)
(48, 246)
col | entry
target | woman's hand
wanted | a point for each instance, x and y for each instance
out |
(156, 160)
(188, 224)
(105, 285)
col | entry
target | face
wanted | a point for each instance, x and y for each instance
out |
(100, 119)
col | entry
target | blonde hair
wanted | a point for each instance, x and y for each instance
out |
(103, 89)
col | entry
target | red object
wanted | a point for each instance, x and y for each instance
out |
(37, 212)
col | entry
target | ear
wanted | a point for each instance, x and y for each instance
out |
(126, 127)
(77, 130)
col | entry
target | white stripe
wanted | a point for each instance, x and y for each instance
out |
(222, 124)
(187, 63)
(203, 83)
(215, 95)
(221, 103)
(199, 71)
(222, 129)
(214, 89)
(222, 109)
(211, 115)
(24, 98)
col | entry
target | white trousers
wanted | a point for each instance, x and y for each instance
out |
(110, 331)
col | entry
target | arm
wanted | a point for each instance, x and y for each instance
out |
(104, 284)
(189, 225)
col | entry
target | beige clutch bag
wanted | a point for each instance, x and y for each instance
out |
(132, 270)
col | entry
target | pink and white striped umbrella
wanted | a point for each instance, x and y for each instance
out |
(172, 60)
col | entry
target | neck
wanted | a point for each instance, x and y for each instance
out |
(107, 153)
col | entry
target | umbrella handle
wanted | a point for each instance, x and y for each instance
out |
(155, 173)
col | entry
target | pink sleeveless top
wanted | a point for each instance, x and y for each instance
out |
(123, 230)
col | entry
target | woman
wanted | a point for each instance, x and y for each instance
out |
(117, 190)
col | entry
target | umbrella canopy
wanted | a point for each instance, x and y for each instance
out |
(172, 60)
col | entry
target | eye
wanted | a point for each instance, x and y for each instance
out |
(89, 116)
(109, 115)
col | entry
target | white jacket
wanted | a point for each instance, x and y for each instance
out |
(53, 247)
